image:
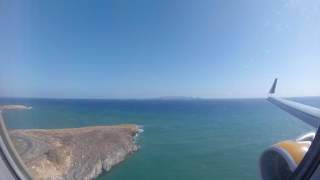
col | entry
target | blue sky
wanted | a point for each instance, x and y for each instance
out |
(145, 48)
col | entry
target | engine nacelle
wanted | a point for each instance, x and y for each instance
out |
(280, 160)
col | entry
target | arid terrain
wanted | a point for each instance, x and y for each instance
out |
(79, 153)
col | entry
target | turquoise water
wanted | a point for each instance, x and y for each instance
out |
(186, 139)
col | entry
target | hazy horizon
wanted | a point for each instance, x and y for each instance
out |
(152, 98)
(150, 49)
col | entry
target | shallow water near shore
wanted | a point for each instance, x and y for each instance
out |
(182, 139)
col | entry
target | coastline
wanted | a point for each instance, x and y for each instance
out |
(80, 153)
(73, 153)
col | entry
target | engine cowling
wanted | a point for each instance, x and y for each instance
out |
(280, 160)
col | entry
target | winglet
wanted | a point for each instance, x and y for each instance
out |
(274, 86)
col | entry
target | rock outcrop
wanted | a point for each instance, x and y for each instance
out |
(78, 153)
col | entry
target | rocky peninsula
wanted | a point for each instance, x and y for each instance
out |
(14, 107)
(79, 153)
(74, 153)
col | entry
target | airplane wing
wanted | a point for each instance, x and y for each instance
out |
(308, 114)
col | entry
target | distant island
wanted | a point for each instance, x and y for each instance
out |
(176, 98)
(74, 153)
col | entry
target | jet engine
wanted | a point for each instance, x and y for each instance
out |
(280, 160)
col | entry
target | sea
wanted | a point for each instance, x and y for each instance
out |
(195, 139)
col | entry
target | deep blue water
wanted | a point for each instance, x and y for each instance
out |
(182, 139)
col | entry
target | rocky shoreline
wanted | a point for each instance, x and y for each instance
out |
(74, 153)
(77, 153)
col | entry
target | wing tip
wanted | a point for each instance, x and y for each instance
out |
(274, 86)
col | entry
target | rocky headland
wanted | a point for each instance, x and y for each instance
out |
(74, 153)
(79, 153)
(14, 107)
